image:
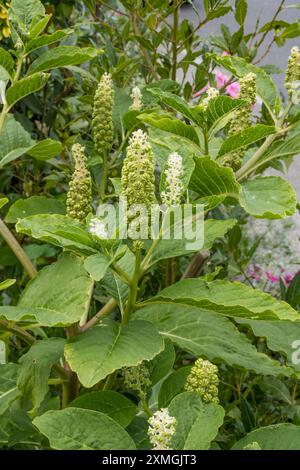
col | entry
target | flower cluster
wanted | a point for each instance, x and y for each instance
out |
(136, 97)
(137, 379)
(102, 123)
(4, 25)
(161, 430)
(292, 78)
(211, 93)
(173, 184)
(79, 198)
(137, 181)
(242, 118)
(204, 380)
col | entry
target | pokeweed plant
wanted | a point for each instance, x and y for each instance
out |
(109, 346)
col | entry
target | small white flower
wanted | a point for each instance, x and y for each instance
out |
(136, 97)
(174, 187)
(210, 95)
(97, 228)
(161, 429)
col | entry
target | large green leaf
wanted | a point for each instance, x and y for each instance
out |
(25, 87)
(226, 298)
(210, 179)
(109, 347)
(204, 333)
(220, 111)
(246, 138)
(163, 363)
(197, 424)
(35, 369)
(62, 56)
(46, 40)
(172, 386)
(269, 197)
(239, 67)
(15, 142)
(26, 10)
(284, 436)
(213, 229)
(111, 403)
(8, 385)
(97, 265)
(172, 125)
(59, 295)
(34, 205)
(178, 104)
(59, 230)
(79, 429)
(6, 61)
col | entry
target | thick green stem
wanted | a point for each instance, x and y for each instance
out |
(174, 39)
(133, 288)
(17, 249)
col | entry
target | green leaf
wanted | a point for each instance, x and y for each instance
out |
(274, 387)
(213, 229)
(34, 205)
(269, 197)
(241, 7)
(38, 26)
(3, 201)
(293, 292)
(239, 67)
(6, 284)
(45, 149)
(109, 347)
(227, 298)
(210, 179)
(220, 111)
(6, 60)
(79, 429)
(172, 386)
(163, 363)
(27, 10)
(97, 265)
(58, 230)
(292, 31)
(25, 87)
(178, 104)
(283, 148)
(169, 124)
(284, 436)
(281, 336)
(246, 138)
(62, 56)
(35, 369)
(8, 386)
(46, 40)
(196, 424)
(58, 296)
(117, 406)
(202, 332)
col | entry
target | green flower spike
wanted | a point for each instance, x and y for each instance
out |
(79, 198)
(204, 380)
(102, 123)
(292, 78)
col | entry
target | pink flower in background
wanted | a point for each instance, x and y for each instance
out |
(289, 277)
(233, 90)
(271, 277)
(254, 275)
(225, 53)
(203, 90)
(221, 78)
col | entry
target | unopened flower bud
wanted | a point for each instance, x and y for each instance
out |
(204, 380)
(102, 123)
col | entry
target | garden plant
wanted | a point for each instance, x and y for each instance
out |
(134, 156)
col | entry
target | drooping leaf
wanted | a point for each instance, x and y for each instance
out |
(269, 197)
(46, 40)
(247, 137)
(24, 87)
(172, 125)
(226, 298)
(58, 230)
(117, 406)
(32, 206)
(35, 369)
(284, 436)
(109, 347)
(179, 104)
(162, 364)
(206, 334)
(58, 296)
(61, 56)
(45, 149)
(197, 424)
(79, 429)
